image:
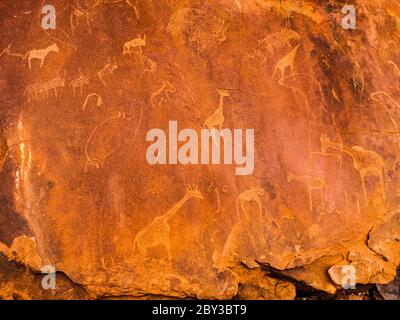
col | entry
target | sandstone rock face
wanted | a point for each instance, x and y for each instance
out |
(320, 210)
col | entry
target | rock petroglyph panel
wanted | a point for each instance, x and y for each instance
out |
(78, 193)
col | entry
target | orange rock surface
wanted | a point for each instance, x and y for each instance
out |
(76, 189)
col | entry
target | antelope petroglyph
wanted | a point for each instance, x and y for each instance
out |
(35, 90)
(138, 42)
(79, 82)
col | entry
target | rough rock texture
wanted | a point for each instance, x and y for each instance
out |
(77, 193)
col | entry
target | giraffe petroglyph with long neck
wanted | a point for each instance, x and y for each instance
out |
(158, 231)
(243, 220)
(217, 118)
(286, 62)
(367, 162)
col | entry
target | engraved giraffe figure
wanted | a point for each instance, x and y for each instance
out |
(158, 231)
(367, 162)
(286, 62)
(217, 118)
(312, 183)
(251, 195)
(40, 54)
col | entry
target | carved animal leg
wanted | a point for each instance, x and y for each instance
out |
(30, 63)
(323, 199)
(259, 206)
(168, 247)
(364, 189)
(382, 183)
(292, 69)
(310, 199)
(275, 70)
(41, 63)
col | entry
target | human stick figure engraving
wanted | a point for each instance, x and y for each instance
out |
(158, 231)
(79, 82)
(287, 62)
(312, 183)
(40, 54)
(368, 163)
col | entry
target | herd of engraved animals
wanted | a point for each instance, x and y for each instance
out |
(367, 163)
